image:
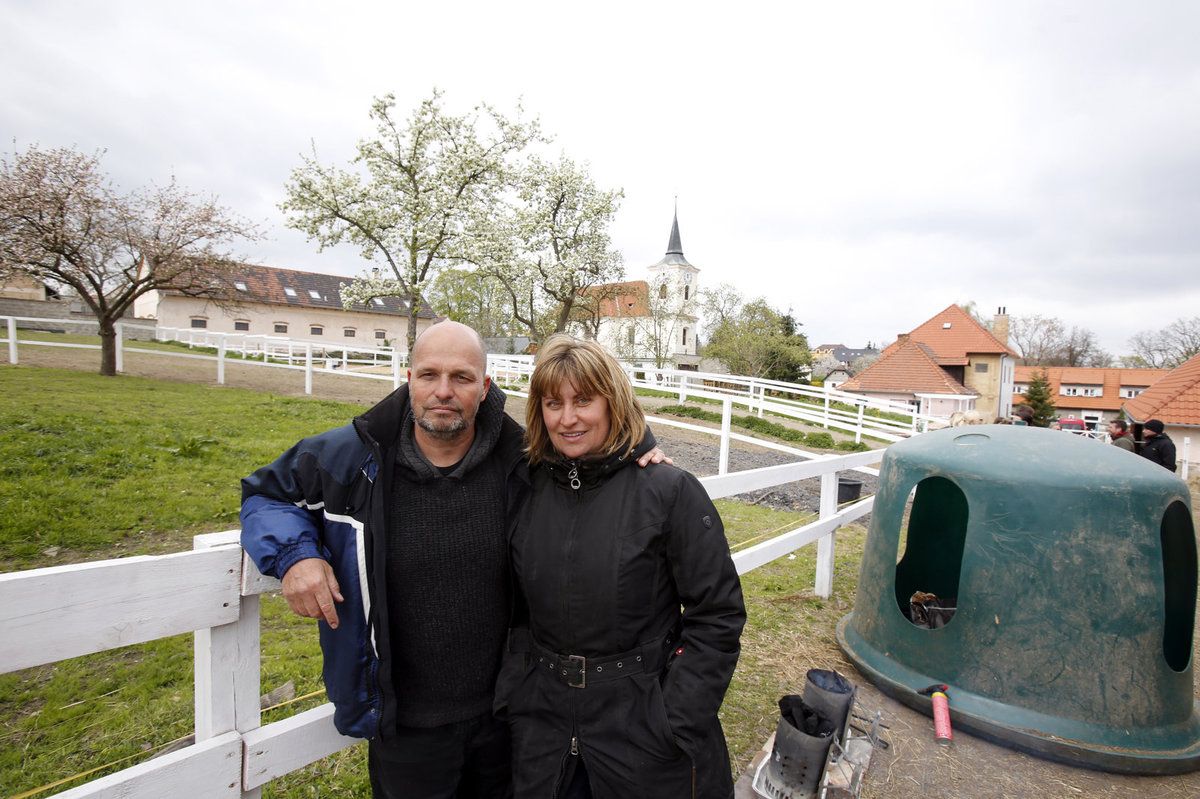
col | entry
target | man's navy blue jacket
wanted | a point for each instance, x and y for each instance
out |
(328, 497)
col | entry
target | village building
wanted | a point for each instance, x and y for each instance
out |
(648, 322)
(842, 354)
(1173, 399)
(948, 363)
(1094, 395)
(304, 306)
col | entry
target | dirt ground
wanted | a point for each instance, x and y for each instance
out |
(913, 767)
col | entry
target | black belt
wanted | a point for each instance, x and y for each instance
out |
(578, 671)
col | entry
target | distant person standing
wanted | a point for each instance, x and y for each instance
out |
(1024, 415)
(1157, 445)
(1118, 430)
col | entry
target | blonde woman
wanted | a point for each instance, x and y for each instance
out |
(629, 606)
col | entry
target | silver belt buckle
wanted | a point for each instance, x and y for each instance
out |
(581, 662)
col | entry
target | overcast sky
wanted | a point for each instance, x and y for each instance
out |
(865, 164)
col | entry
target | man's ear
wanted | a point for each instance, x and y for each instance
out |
(487, 386)
(408, 375)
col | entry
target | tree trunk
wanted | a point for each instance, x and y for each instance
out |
(108, 348)
(414, 305)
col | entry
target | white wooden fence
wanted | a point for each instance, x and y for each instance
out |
(810, 404)
(66, 611)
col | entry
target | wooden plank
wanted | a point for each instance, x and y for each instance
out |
(283, 747)
(65, 611)
(767, 551)
(823, 586)
(753, 479)
(253, 581)
(207, 770)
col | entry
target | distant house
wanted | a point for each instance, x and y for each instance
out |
(842, 354)
(1092, 394)
(19, 286)
(266, 300)
(1173, 399)
(648, 321)
(836, 378)
(948, 363)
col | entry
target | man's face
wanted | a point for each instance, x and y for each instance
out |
(446, 385)
(1115, 431)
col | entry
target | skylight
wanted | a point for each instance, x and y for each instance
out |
(316, 295)
(291, 292)
(378, 301)
(945, 325)
(240, 286)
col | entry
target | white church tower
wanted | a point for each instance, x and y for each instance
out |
(649, 322)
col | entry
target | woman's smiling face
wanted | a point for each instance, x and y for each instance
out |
(578, 424)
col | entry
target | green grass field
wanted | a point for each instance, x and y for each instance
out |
(106, 467)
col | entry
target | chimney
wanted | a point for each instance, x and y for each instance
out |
(902, 338)
(1000, 325)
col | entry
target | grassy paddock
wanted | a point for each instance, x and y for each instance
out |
(130, 466)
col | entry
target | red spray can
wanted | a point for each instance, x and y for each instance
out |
(941, 719)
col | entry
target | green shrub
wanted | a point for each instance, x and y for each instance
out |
(820, 440)
(852, 446)
(690, 412)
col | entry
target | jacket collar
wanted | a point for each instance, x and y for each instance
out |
(587, 472)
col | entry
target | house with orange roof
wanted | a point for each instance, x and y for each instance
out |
(908, 371)
(1173, 399)
(974, 367)
(1094, 395)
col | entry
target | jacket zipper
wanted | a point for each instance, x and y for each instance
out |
(574, 752)
(573, 477)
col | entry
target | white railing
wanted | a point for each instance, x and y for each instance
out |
(811, 404)
(67, 611)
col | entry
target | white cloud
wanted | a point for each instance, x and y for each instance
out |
(866, 164)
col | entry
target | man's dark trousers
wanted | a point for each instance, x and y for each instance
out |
(464, 760)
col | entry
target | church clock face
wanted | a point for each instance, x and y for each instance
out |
(687, 277)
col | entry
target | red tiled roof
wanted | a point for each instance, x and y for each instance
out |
(907, 367)
(1111, 381)
(266, 284)
(951, 345)
(1174, 399)
(630, 298)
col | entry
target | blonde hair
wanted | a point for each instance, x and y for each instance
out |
(592, 371)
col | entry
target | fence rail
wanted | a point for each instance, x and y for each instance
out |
(65, 611)
(828, 408)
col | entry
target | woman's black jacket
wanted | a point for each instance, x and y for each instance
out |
(629, 571)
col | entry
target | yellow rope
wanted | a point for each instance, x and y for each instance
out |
(65, 780)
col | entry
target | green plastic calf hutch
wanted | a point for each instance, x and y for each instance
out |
(1049, 580)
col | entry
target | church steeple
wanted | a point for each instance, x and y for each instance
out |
(674, 256)
(675, 246)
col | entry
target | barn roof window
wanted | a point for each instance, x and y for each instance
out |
(316, 295)
(291, 292)
(378, 301)
(240, 286)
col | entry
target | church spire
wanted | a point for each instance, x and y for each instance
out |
(675, 246)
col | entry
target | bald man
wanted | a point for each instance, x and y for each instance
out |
(391, 532)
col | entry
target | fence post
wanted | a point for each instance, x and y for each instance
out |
(825, 545)
(726, 418)
(826, 423)
(395, 369)
(308, 368)
(762, 399)
(682, 388)
(119, 344)
(1187, 446)
(227, 662)
(221, 345)
(12, 340)
(858, 432)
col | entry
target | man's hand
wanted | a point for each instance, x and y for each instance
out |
(655, 455)
(311, 589)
